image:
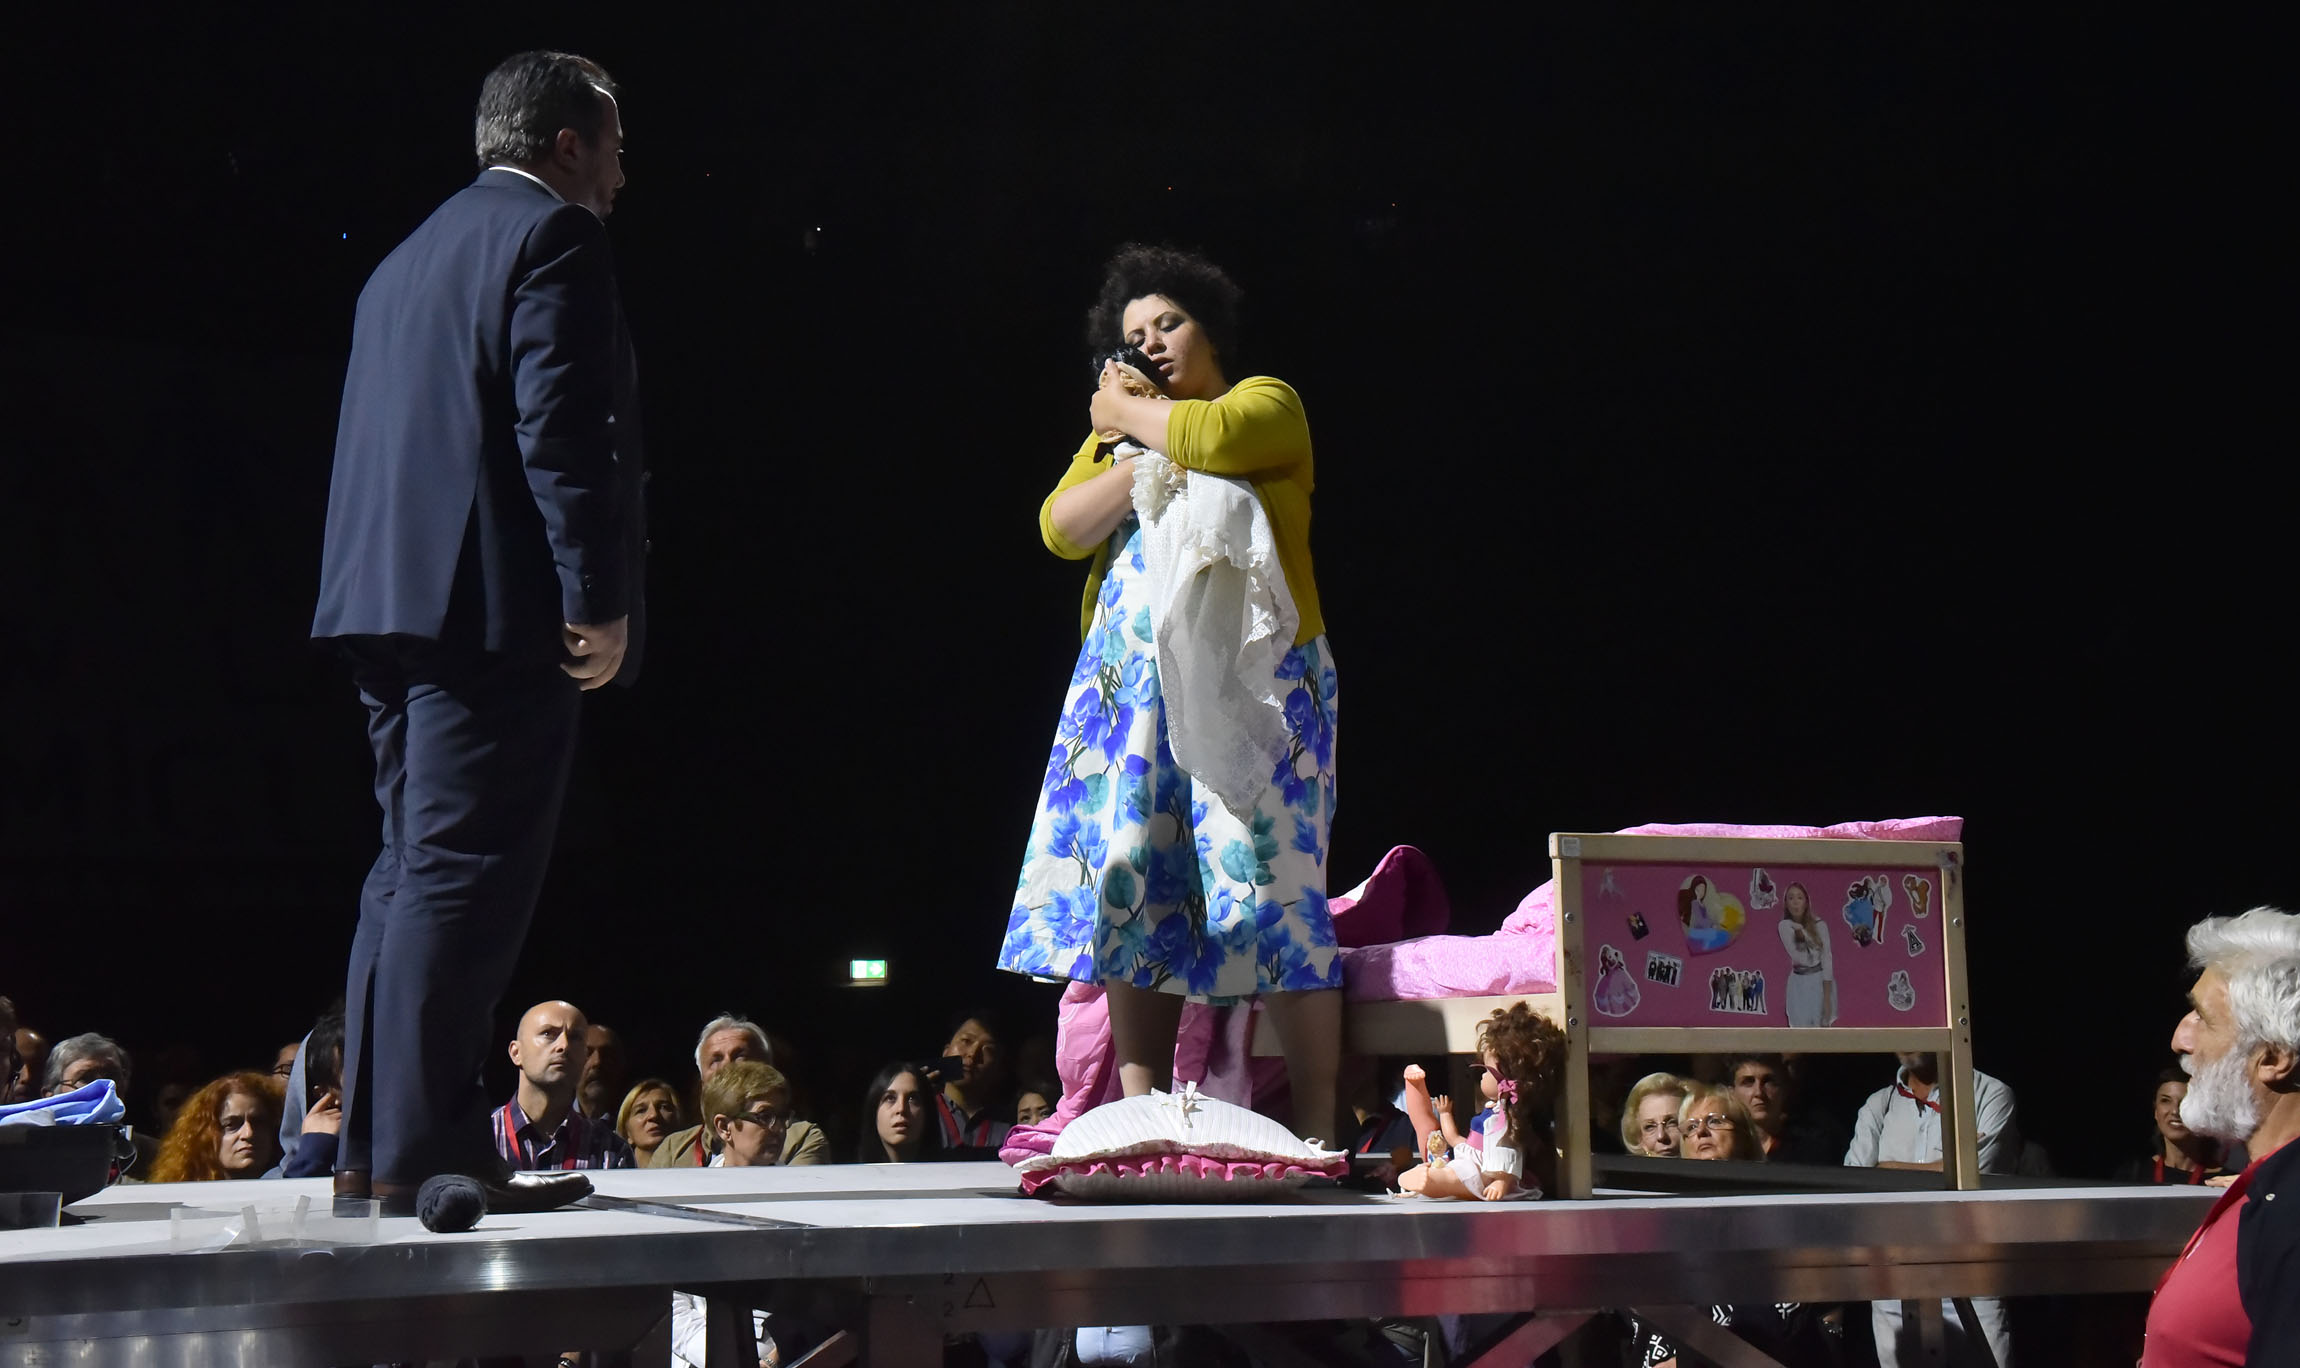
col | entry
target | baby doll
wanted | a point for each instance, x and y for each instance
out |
(1524, 1055)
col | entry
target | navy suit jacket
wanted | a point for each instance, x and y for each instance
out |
(488, 461)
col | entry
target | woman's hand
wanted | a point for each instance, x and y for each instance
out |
(1104, 412)
(325, 1116)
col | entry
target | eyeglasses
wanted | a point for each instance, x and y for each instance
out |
(766, 1120)
(1712, 1121)
(1653, 1128)
(284, 1070)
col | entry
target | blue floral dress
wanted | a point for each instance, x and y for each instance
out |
(1136, 875)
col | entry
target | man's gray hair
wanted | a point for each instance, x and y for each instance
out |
(734, 1023)
(73, 1049)
(526, 101)
(2258, 953)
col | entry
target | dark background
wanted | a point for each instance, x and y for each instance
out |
(1756, 419)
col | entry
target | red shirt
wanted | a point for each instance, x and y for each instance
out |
(2197, 1319)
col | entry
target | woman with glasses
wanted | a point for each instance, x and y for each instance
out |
(1714, 1123)
(1649, 1115)
(747, 1115)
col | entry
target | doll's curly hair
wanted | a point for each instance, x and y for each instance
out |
(188, 1153)
(1528, 1050)
(1203, 289)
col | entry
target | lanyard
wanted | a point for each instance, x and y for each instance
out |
(509, 1142)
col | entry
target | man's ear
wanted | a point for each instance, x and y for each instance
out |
(515, 1053)
(2278, 1067)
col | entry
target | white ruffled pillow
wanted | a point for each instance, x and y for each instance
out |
(1177, 1147)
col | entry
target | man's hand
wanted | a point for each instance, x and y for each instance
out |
(325, 1116)
(598, 651)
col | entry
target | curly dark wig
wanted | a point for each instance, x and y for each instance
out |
(1528, 1050)
(1203, 289)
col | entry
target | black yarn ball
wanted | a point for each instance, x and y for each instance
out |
(450, 1203)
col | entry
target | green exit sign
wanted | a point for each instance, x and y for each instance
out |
(866, 971)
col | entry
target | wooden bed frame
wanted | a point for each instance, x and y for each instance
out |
(1449, 1025)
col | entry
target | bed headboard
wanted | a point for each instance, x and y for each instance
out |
(1682, 944)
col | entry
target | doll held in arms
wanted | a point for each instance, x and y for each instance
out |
(1524, 1057)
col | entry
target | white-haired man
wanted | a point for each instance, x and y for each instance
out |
(2234, 1296)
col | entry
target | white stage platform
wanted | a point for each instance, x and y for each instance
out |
(907, 1253)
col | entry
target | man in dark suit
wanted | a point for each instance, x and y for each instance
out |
(482, 567)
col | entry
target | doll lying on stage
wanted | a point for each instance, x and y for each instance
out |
(1524, 1055)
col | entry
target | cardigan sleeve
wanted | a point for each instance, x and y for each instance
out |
(1257, 430)
(1083, 467)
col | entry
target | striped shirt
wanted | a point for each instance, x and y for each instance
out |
(962, 1131)
(581, 1142)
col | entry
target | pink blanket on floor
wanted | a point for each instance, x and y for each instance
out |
(1388, 955)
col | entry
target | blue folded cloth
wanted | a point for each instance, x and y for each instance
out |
(93, 1105)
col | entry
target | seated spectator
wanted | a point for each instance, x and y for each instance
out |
(1713, 1123)
(746, 1109)
(648, 1116)
(605, 1070)
(284, 1063)
(1034, 1103)
(972, 1078)
(79, 1060)
(898, 1123)
(2179, 1155)
(1649, 1115)
(1899, 1127)
(1789, 1137)
(228, 1129)
(540, 1128)
(313, 1116)
(31, 1062)
(724, 1041)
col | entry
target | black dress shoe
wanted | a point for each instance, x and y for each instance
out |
(351, 1183)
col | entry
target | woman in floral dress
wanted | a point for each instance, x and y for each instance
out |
(1138, 878)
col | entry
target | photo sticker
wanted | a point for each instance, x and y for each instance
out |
(1920, 891)
(1663, 969)
(1762, 893)
(1638, 930)
(1916, 943)
(1866, 902)
(1740, 991)
(1898, 992)
(1712, 917)
(1616, 992)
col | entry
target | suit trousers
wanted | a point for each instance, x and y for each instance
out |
(472, 752)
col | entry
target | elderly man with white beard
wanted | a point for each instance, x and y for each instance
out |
(2234, 1296)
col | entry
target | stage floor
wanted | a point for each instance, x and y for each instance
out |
(917, 1251)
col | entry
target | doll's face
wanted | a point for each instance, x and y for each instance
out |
(1132, 381)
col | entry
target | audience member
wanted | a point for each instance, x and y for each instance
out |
(648, 1116)
(898, 1123)
(228, 1129)
(1789, 1136)
(31, 1062)
(540, 1127)
(606, 1068)
(284, 1064)
(2177, 1154)
(312, 1119)
(746, 1109)
(2229, 1298)
(1899, 1127)
(1649, 1115)
(1034, 1102)
(972, 1075)
(77, 1061)
(724, 1041)
(1714, 1123)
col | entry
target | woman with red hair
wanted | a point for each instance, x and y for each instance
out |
(228, 1129)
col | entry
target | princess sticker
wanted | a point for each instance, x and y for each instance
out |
(1711, 917)
(1616, 993)
(1920, 891)
(1609, 889)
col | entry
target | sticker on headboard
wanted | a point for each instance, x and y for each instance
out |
(1898, 992)
(1609, 888)
(1616, 993)
(1712, 918)
(1920, 891)
(1867, 900)
(1762, 893)
(1665, 970)
(1915, 941)
(1638, 930)
(1737, 990)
